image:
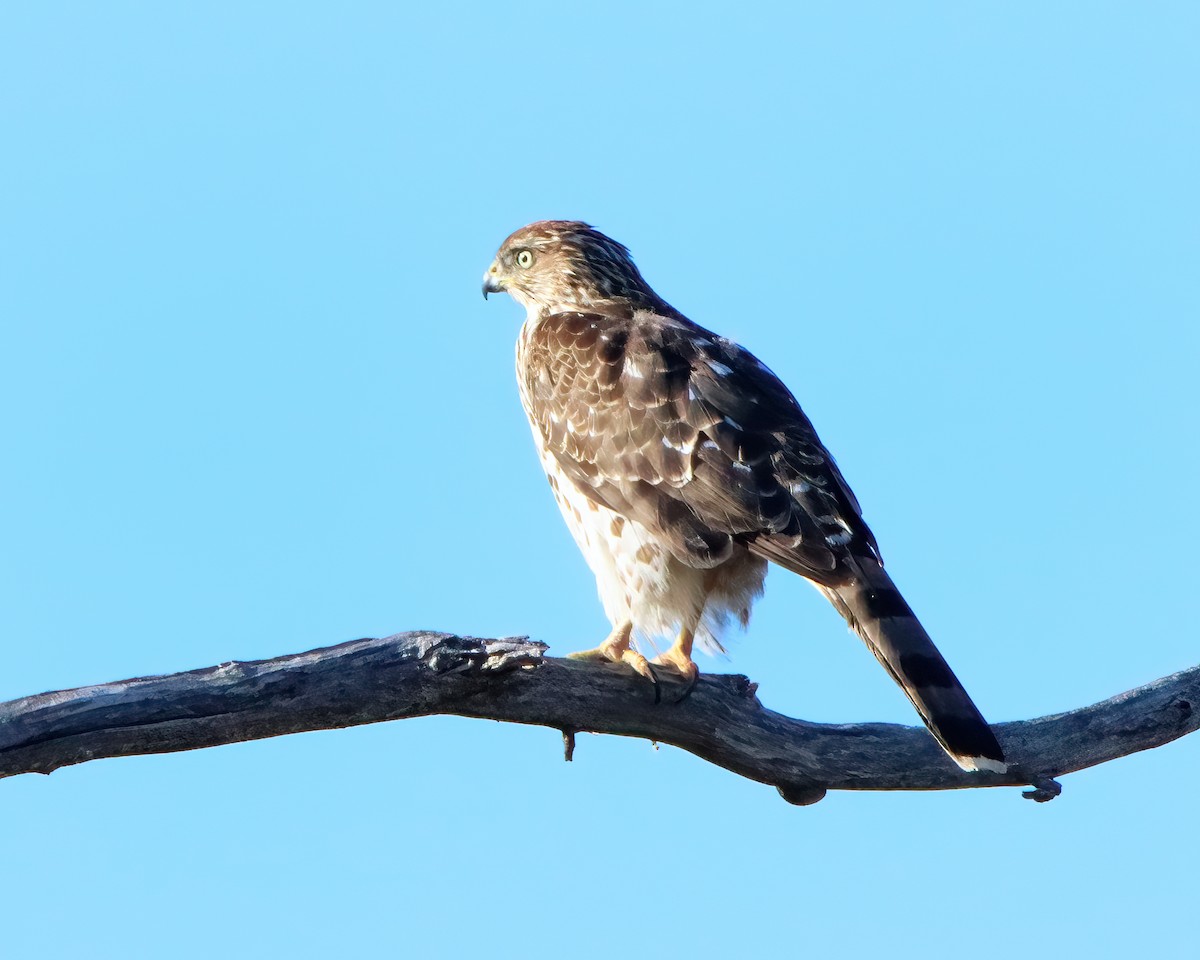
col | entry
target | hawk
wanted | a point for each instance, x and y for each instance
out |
(683, 466)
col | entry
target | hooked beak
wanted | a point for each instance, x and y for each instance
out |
(491, 284)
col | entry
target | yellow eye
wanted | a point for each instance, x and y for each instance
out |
(524, 259)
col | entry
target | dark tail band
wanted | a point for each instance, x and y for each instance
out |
(878, 613)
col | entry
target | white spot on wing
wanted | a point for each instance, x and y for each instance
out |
(685, 448)
(839, 539)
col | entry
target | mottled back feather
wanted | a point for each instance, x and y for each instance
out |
(660, 419)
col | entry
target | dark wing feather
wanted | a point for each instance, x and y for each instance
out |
(689, 434)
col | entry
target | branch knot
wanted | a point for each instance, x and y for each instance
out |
(474, 655)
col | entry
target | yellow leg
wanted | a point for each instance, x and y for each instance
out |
(617, 649)
(679, 658)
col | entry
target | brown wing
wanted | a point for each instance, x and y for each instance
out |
(689, 434)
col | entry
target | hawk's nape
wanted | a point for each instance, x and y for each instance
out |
(682, 465)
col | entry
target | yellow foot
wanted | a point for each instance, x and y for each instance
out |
(678, 661)
(616, 649)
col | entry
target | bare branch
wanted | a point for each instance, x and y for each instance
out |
(422, 673)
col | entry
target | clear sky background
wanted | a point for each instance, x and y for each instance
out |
(253, 403)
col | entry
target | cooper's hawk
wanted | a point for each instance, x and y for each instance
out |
(682, 465)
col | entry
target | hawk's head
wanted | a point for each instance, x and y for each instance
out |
(554, 266)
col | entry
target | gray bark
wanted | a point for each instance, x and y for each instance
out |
(422, 673)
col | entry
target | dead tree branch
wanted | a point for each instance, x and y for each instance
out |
(423, 673)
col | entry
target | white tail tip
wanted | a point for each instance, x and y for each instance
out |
(981, 765)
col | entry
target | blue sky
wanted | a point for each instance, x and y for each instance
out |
(253, 403)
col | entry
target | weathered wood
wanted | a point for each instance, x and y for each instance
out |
(422, 673)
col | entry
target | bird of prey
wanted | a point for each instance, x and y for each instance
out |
(682, 466)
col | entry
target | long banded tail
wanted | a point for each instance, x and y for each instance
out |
(878, 613)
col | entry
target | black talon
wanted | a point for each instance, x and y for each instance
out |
(655, 681)
(691, 685)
